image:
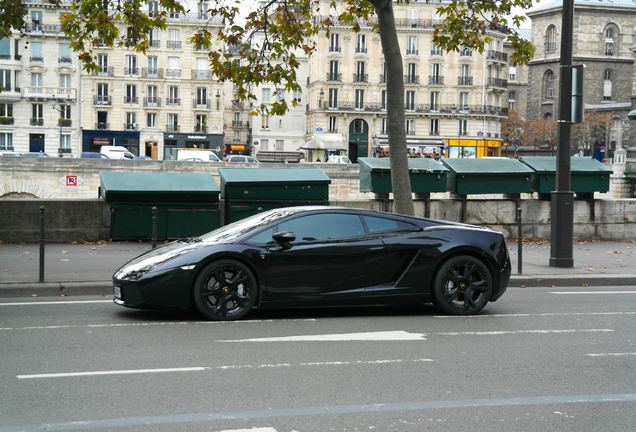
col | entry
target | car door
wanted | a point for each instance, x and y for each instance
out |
(327, 260)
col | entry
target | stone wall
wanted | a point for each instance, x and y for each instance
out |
(89, 220)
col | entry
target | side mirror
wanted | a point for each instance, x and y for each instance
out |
(284, 239)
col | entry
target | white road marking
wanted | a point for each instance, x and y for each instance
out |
(526, 315)
(36, 303)
(146, 324)
(612, 354)
(513, 332)
(226, 367)
(368, 336)
(265, 429)
(591, 292)
(113, 372)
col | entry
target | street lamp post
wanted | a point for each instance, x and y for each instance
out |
(562, 200)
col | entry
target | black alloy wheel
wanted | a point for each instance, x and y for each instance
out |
(225, 290)
(463, 286)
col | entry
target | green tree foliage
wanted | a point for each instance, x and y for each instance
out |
(12, 13)
(287, 26)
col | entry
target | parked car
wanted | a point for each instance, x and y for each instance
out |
(202, 155)
(116, 152)
(93, 155)
(312, 256)
(241, 159)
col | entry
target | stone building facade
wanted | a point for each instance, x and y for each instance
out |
(604, 40)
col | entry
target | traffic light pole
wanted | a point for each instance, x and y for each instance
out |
(562, 200)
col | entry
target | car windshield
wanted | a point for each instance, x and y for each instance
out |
(237, 229)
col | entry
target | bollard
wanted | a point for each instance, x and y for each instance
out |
(519, 240)
(154, 227)
(42, 210)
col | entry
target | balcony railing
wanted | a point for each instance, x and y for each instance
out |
(154, 43)
(43, 28)
(361, 78)
(105, 71)
(335, 49)
(466, 52)
(437, 52)
(131, 71)
(36, 59)
(131, 99)
(172, 128)
(334, 76)
(453, 110)
(173, 72)
(237, 123)
(173, 101)
(58, 93)
(102, 100)
(201, 74)
(497, 55)
(6, 120)
(130, 126)
(465, 80)
(102, 125)
(37, 122)
(361, 50)
(200, 128)
(435, 79)
(411, 79)
(412, 51)
(201, 104)
(152, 102)
(64, 122)
(152, 73)
(497, 82)
(173, 44)
(65, 60)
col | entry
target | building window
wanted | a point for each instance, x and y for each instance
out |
(201, 123)
(65, 142)
(434, 101)
(434, 130)
(512, 100)
(173, 95)
(334, 42)
(550, 39)
(151, 120)
(6, 110)
(36, 52)
(279, 145)
(383, 100)
(102, 63)
(359, 99)
(65, 53)
(463, 100)
(609, 39)
(383, 125)
(264, 144)
(548, 85)
(131, 121)
(333, 98)
(298, 96)
(361, 46)
(608, 76)
(264, 121)
(266, 95)
(36, 80)
(410, 126)
(131, 93)
(5, 48)
(65, 81)
(411, 45)
(173, 122)
(512, 73)
(410, 100)
(37, 114)
(65, 112)
(463, 127)
(333, 124)
(6, 141)
(435, 50)
(5, 79)
(131, 65)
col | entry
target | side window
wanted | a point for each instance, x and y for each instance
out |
(324, 227)
(379, 225)
(262, 238)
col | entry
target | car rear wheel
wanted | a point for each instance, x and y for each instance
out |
(225, 290)
(463, 286)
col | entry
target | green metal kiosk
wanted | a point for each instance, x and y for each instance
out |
(588, 175)
(187, 203)
(488, 176)
(247, 191)
(426, 175)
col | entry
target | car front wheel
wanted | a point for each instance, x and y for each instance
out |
(463, 286)
(225, 290)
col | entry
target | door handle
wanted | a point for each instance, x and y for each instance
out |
(376, 248)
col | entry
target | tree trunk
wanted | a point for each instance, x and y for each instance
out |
(402, 199)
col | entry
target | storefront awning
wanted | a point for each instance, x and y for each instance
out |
(328, 141)
(411, 142)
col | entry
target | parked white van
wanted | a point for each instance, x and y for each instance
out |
(197, 155)
(116, 152)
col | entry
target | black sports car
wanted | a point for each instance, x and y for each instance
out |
(314, 256)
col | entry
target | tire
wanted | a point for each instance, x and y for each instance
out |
(225, 290)
(463, 286)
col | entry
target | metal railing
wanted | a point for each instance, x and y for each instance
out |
(465, 80)
(497, 82)
(131, 99)
(152, 73)
(435, 79)
(201, 104)
(152, 101)
(102, 100)
(360, 77)
(411, 79)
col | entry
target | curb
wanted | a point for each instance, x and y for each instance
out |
(522, 281)
(105, 288)
(53, 289)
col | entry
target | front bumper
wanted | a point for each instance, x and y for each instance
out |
(168, 289)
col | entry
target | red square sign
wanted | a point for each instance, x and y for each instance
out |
(71, 180)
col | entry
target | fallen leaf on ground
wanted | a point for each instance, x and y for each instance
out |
(34, 295)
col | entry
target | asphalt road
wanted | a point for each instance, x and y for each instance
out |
(540, 359)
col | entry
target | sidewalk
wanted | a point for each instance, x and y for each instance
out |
(87, 268)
